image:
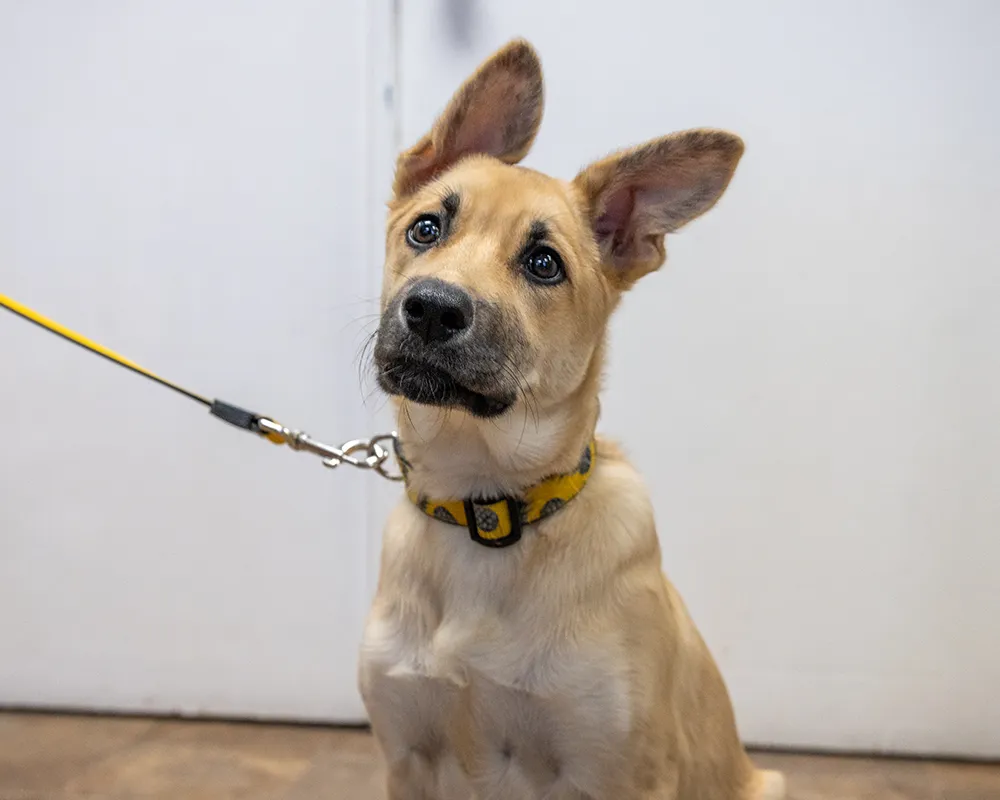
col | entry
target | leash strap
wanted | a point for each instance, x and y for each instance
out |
(362, 453)
(87, 344)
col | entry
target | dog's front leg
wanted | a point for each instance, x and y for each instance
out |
(408, 716)
(419, 775)
(411, 778)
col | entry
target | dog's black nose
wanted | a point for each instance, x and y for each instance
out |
(436, 311)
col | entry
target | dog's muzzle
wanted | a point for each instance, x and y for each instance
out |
(437, 345)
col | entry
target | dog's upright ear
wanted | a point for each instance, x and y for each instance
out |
(496, 112)
(635, 197)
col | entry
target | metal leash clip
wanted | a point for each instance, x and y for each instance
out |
(361, 453)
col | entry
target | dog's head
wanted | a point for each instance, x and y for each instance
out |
(499, 280)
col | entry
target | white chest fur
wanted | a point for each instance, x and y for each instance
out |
(469, 654)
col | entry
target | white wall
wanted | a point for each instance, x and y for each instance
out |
(811, 386)
(186, 183)
(200, 186)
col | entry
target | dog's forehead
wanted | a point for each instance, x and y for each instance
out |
(491, 188)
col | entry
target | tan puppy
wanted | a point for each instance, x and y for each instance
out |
(564, 665)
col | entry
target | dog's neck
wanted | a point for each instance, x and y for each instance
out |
(453, 455)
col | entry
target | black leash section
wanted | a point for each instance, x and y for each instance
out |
(362, 453)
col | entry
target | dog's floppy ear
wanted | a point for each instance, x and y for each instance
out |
(635, 197)
(496, 112)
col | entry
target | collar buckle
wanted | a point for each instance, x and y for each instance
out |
(483, 522)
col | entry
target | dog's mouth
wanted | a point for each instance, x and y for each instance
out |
(430, 385)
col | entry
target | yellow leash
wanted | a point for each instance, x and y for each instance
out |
(88, 344)
(362, 453)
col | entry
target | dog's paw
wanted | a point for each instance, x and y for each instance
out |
(770, 785)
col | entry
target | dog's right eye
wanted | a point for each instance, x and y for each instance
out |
(425, 231)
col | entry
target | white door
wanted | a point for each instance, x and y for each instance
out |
(811, 386)
(187, 183)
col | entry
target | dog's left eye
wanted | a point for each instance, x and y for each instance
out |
(425, 231)
(543, 265)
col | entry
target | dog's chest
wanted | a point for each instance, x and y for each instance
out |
(476, 670)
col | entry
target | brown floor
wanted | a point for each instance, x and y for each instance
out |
(53, 757)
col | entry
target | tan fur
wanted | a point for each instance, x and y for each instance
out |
(566, 666)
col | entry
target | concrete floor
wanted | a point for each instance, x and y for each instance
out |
(56, 757)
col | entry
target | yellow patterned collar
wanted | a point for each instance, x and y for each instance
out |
(498, 523)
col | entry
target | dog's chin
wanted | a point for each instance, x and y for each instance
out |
(431, 386)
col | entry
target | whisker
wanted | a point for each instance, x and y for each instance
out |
(409, 418)
(526, 392)
(365, 358)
